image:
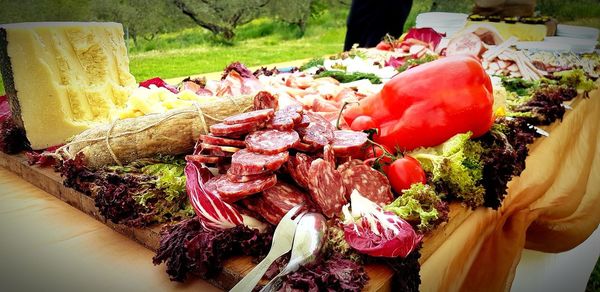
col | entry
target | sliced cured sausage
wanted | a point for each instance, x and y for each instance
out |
(284, 120)
(204, 146)
(303, 123)
(342, 167)
(329, 155)
(303, 147)
(201, 158)
(213, 140)
(232, 191)
(281, 198)
(237, 130)
(265, 100)
(368, 182)
(246, 178)
(257, 116)
(297, 167)
(326, 187)
(245, 162)
(468, 43)
(318, 134)
(271, 141)
(348, 143)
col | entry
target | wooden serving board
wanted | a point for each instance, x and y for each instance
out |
(234, 268)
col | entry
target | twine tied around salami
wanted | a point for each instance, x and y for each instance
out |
(174, 132)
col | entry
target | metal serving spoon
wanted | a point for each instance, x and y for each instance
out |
(307, 246)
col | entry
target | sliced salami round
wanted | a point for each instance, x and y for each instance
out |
(237, 130)
(210, 139)
(342, 167)
(297, 167)
(271, 141)
(246, 178)
(368, 182)
(326, 187)
(318, 134)
(204, 146)
(232, 191)
(303, 123)
(284, 120)
(265, 100)
(282, 197)
(257, 116)
(201, 158)
(245, 162)
(211, 184)
(258, 205)
(348, 143)
(329, 155)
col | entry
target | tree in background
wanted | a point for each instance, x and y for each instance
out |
(221, 17)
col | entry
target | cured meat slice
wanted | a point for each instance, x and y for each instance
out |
(318, 134)
(368, 182)
(348, 143)
(280, 199)
(222, 129)
(342, 167)
(265, 100)
(211, 184)
(298, 166)
(271, 141)
(245, 162)
(257, 116)
(257, 204)
(303, 147)
(204, 146)
(246, 178)
(326, 187)
(328, 154)
(303, 123)
(210, 139)
(468, 43)
(201, 158)
(232, 191)
(284, 120)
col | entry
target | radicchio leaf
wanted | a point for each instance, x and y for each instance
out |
(214, 213)
(425, 34)
(372, 231)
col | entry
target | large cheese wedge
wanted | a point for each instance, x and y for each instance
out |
(64, 77)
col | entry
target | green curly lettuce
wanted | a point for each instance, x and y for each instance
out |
(575, 78)
(455, 168)
(420, 205)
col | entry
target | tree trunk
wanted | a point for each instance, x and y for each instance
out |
(214, 28)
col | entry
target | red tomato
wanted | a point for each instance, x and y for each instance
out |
(383, 46)
(404, 172)
(363, 123)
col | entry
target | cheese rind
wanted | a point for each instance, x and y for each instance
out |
(64, 78)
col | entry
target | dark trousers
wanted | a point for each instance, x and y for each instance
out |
(370, 20)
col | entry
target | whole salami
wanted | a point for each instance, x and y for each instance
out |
(368, 182)
(271, 141)
(245, 162)
(326, 187)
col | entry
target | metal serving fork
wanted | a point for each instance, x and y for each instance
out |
(282, 243)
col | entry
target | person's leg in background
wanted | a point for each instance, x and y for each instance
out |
(370, 20)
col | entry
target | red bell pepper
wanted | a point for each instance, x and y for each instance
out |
(428, 104)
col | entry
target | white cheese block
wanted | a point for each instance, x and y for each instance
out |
(64, 77)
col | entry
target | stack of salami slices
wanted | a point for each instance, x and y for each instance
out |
(271, 160)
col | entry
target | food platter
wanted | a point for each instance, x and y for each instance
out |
(206, 172)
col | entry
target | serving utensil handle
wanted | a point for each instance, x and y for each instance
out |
(251, 279)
